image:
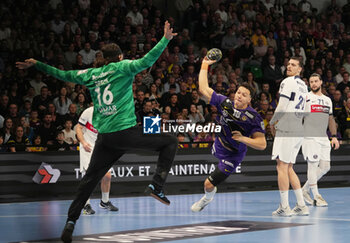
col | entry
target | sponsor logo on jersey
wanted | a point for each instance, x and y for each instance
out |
(320, 108)
(82, 71)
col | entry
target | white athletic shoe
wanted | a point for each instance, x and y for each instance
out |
(320, 202)
(300, 210)
(307, 197)
(200, 205)
(282, 212)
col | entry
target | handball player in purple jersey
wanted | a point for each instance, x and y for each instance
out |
(241, 126)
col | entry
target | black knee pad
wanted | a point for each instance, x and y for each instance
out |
(217, 177)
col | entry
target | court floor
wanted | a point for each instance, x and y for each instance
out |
(231, 217)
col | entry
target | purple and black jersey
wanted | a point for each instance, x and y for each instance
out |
(247, 121)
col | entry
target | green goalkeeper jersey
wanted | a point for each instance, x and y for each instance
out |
(110, 87)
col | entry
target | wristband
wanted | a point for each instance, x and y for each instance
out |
(334, 136)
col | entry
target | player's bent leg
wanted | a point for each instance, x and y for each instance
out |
(210, 189)
(324, 167)
(312, 168)
(105, 203)
(101, 160)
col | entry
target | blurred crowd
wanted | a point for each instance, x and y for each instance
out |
(256, 38)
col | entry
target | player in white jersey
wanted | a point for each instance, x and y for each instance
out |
(316, 147)
(287, 121)
(87, 136)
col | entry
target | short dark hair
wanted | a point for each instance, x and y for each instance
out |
(111, 53)
(297, 59)
(315, 75)
(247, 86)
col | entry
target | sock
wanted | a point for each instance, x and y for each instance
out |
(71, 222)
(299, 196)
(87, 202)
(306, 186)
(209, 195)
(105, 197)
(284, 199)
(314, 190)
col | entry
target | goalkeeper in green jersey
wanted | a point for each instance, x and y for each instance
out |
(114, 118)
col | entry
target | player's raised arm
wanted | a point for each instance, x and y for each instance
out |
(75, 76)
(152, 56)
(204, 88)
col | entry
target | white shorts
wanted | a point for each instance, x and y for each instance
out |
(85, 158)
(286, 148)
(316, 150)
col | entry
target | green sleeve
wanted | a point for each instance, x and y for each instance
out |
(147, 61)
(74, 76)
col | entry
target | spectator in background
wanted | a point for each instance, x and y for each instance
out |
(70, 55)
(3, 147)
(195, 115)
(41, 101)
(47, 130)
(245, 53)
(59, 144)
(88, 54)
(135, 15)
(184, 97)
(272, 74)
(13, 114)
(79, 65)
(174, 106)
(62, 102)
(28, 131)
(81, 102)
(37, 83)
(140, 97)
(18, 142)
(37, 146)
(345, 83)
(4, 103)
(200, 104)
(344, 120)
(7, 129)
(30, 94)
(69, 134)
(26, 109)
(146, 111)
(139, 83)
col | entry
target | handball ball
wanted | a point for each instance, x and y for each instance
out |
(214, 54)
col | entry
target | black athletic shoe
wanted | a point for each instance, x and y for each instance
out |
(159, 195)
(67, 232)
(108, 205)
(87, 210)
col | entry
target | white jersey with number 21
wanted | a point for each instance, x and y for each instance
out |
(295, 90)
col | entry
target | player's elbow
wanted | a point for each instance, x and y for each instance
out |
(262, 144)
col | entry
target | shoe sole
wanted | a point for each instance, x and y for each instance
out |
(108, 208)
(160, 200)
(278, 215)
(301, 214)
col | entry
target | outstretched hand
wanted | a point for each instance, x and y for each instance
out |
(168, 32)
(206, 60)
(26, 64)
